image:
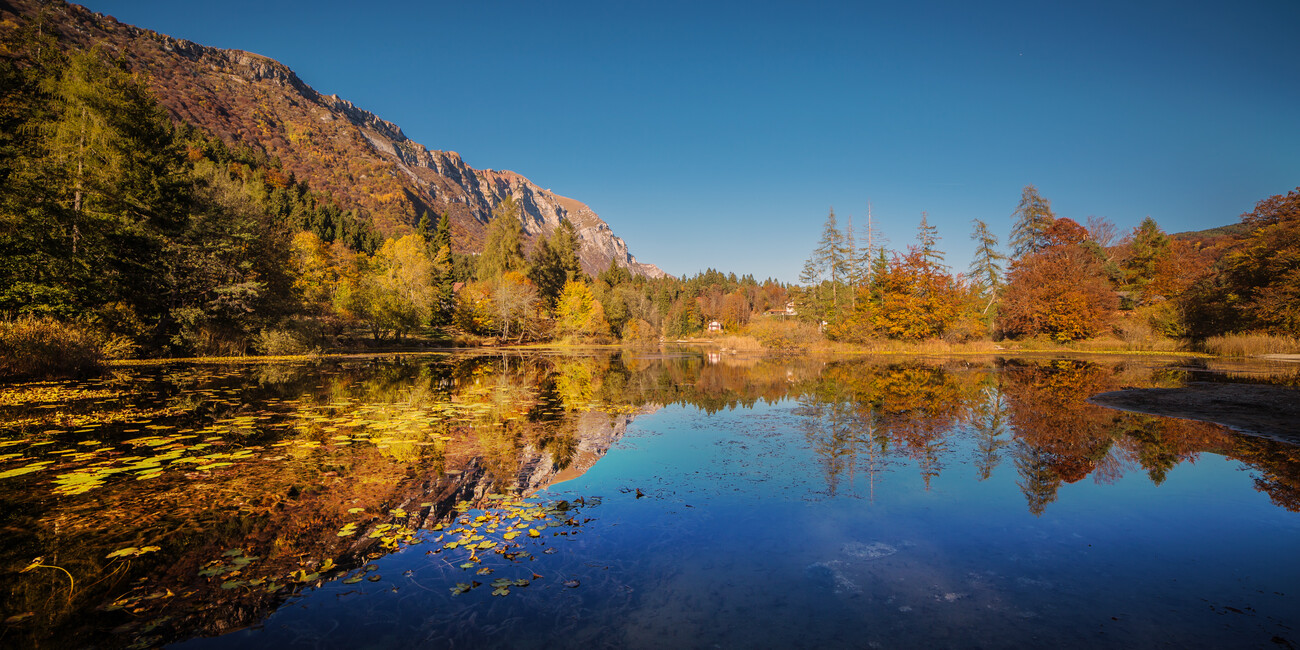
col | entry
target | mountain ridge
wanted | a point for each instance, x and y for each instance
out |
(361, 159)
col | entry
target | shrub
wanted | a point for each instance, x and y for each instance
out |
(44, 347)
(284, 343)
(779, 334)
(640, 332)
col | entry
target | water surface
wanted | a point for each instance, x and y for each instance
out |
(638, 499)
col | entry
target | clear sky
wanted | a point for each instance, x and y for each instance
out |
(719, 134)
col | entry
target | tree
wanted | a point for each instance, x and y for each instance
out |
(403, 277)
(1059, 291)
(555, 262)
(917, 299)
(100, 189)
(1149, 247)
(825, 271)
(1033, 216)
(444, 301)
(503, 248)
(927, 241)
(1256, 284)
(578, 313)
(986, 266)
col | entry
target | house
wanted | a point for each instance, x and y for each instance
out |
(715, 326)
(788, 311)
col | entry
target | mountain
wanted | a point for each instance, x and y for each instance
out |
(363, 161)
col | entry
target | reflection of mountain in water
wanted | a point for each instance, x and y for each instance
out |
(258, 482)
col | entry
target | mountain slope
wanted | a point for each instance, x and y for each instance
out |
(362, 160)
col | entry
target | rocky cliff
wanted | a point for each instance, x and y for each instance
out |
(362, 160)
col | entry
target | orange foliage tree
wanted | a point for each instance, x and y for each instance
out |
(917, 299)
(1060, 291)
(1256, 284)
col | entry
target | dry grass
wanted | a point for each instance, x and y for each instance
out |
(1250, 345)
(43, 347)
(740, 343)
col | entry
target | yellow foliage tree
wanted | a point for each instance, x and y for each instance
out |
(578, 313)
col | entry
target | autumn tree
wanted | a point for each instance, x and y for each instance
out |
(1032, 218)
(403, 279)
(1255, 286)
(578, 313)
(916, 298)
(1059, 291)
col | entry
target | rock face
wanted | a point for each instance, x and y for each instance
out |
(365, 162)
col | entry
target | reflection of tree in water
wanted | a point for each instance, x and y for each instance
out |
(382, 435)
(831, 429)
(989, 420)
(1278, 465)
(1038, 478)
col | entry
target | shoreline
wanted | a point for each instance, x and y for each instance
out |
(1253, 409)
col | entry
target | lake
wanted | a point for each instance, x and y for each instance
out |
(642, 499)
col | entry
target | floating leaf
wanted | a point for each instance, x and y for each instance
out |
(18, 618)
(571, 583)
(352, 581)
(374, 577)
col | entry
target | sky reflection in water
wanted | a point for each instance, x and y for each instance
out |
(783, 503)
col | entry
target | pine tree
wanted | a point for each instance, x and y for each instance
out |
(1033, 216)
(1150, 246)
(986, 267)
(826, 270)
(444, 301)
(555, 262)
(927, 239)
(503, 250)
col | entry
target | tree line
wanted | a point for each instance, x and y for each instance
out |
(1061, 280)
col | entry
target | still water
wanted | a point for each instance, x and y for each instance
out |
(641, 499)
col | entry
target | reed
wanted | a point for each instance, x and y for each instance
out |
(1250, 345)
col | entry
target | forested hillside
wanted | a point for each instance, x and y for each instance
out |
(365, 163)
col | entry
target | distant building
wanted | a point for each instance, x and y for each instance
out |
(788, 311)
(715, 326)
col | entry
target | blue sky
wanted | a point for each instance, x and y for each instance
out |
(719, 134)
